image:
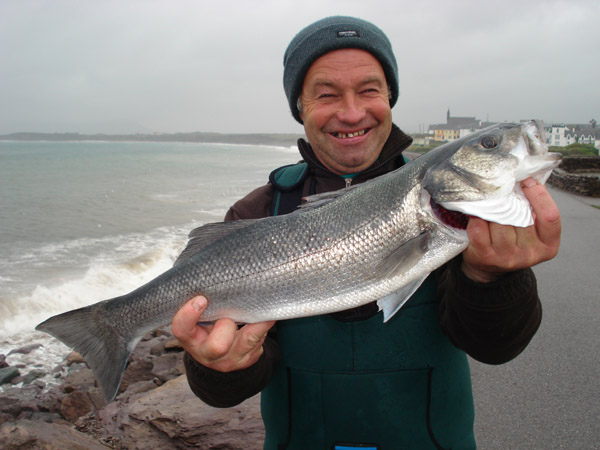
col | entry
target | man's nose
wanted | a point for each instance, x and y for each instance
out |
(351, 110)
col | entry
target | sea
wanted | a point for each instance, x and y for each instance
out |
(86, 221)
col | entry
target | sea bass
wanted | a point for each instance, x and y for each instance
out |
(375, 241)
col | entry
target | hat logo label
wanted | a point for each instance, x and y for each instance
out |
(348, 33)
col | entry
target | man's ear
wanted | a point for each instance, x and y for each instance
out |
(299, 107)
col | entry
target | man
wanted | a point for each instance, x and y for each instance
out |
(347, 380)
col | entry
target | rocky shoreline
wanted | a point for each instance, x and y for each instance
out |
(155, 409)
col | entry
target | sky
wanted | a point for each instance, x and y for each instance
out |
(171, 66)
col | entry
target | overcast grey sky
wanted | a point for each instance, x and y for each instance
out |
(180, 66)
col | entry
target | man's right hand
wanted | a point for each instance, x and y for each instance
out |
(221, 346)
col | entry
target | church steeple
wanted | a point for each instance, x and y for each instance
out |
(448, 116)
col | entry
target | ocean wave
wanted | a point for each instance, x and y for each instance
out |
(113, 266)
(100, 281)
(109, 275)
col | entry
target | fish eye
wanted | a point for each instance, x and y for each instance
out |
(488, 142)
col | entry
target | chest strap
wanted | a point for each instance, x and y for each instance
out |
(288, 182)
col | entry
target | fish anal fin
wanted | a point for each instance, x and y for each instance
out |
(391, 304)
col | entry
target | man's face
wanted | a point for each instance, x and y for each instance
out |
(346, 110)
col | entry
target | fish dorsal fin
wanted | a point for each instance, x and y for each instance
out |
(391, 304)
(404, 257)
(203, 236)
(317, 200)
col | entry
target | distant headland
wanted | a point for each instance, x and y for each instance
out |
(274, 139)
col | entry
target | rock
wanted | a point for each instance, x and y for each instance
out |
(141, 386)
(4, 417)
(34, 375)
(137, 370)
(41, 435)
(51, 399)
(43, 417)
(8, 373)
(81, 378)
(173, 344)
(73, 358)
(3, 362)
(144, 416)
(168, 366)
(171, 416)
(40, 384)
(579, 175)
(25, 350)
(157, 348)
(75, 405)
(11, 403)
(162, 332)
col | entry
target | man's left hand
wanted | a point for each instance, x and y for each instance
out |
(497, 249)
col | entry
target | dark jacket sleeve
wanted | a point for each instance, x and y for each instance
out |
(227, 389)
(491, 322)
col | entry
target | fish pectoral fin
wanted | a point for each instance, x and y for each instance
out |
(202, 237)
(404, 257)
(399, 262)
(391, 304)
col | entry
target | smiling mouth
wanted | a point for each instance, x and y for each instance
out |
(350, 135)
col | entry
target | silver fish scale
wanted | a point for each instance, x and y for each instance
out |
(314, 261)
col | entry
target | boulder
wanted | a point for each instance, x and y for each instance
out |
(171, 416)
(156, 410)
(8, 373)
(46, 436)
(25, 349)
(77, 404)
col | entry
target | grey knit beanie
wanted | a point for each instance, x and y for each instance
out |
(326, 35)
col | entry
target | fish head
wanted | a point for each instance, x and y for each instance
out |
(480, 175)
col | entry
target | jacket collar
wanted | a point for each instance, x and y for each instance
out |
(389, 159)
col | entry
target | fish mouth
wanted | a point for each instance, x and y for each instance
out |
(453, 219)
(449, 221)
(350, 134)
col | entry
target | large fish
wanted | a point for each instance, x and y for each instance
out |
(376, 241)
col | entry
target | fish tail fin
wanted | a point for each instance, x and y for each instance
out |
(89, 333)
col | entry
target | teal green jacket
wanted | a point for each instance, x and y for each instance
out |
(396, 385)
(399, 385)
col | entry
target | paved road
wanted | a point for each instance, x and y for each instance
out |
(549, 397)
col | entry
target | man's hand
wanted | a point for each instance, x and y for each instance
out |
(496, 249)
(220, 346)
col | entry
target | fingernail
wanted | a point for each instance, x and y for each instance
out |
(529, 182)
(199, 303)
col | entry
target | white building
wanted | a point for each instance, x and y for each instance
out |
(558, 135)
(561, 135)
